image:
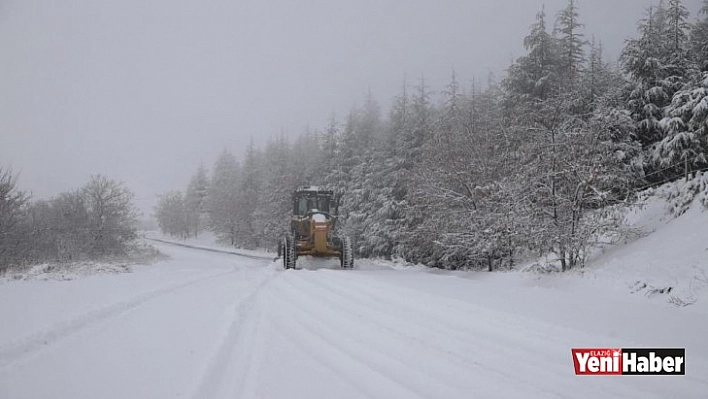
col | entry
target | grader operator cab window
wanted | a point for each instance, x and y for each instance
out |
(307, 203)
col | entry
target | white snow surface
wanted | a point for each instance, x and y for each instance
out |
(208, 241)
(206, 324)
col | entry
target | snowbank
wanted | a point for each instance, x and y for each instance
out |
(669, 261)
(207, 241)
(141, 254)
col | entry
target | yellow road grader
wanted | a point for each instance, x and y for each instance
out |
(312, 229)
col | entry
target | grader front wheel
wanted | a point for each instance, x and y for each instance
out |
(347, 254)
(287, 250)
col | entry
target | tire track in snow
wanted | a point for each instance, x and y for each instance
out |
(234, 366)
(338, 352)
(26, 347)
(458, 344)
(232, 357)
(300, 337)
(409, 358)
(426, 311)
(524, 344)
(501, 332)
(419, 311)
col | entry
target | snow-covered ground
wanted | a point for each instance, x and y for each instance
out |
(670, 261)
(205, 324)
(208, 241)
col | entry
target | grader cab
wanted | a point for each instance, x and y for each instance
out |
(312, 229)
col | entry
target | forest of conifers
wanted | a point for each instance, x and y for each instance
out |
(479, 175)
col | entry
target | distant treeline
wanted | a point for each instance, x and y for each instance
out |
(475, 177)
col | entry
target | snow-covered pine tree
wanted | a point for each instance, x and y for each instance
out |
(378, 208)
(571, 53)
(598, 79)
(413, 121)
(195, 198)
(394, 174)
(536, 74)
(677, 143)
(274, 197)
(699, 39)
(332, 155)
(643, 61)
(571, 43)
(306, 155)
(362, 126)
(675, 39)
(686, 127)
(247, 199)
(361, 136)
(330, 145)
(222, 196)
(439, 232)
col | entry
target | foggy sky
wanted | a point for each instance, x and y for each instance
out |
(144, 90)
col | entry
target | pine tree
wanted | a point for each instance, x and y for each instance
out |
(394, 174)
(422, 121)
(195, 200)
(570, 43)
(675, 38)
(247, 200)
(699, 40)
(274, 196)
(332, 155)
(598, 78)
(222, 197)
(362, 142)
(677, 27)
(643, 61)
(686, 127)
(400, 122)
(330, 144)
(535, 75)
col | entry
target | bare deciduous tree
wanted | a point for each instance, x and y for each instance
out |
(111, 215)
(12, 248)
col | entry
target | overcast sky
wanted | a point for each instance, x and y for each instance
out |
(144, 90)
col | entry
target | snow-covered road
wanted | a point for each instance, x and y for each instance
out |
(211, 325)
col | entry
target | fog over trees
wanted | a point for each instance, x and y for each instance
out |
(477, 174)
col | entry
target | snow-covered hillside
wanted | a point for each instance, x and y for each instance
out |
(206, 324)
(669, 260)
